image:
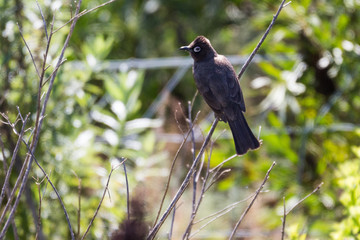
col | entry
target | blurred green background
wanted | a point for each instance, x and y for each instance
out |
(112, 99)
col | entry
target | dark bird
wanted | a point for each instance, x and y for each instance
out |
(217, 82)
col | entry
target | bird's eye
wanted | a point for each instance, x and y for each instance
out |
(197, 49)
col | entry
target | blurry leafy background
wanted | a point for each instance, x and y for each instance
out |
(303, 91)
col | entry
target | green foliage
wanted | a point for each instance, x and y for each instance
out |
(303, 92)
(348, 179)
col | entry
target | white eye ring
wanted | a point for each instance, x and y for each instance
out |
(197, 49)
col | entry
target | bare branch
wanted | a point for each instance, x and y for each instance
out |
(248, 61)
(27, 46)
(196, 206)
(299, 202)
(3, 156)
(77, 15)
(79, 205)
(127, 190)
(217, 215)
(184, 184)
(314, 191)
(7, 188)
(43, 18)
(53, 72)
(252, 201)
(224, 210)
(49, 181)
(38, 223)
(195, 179)
(12, 162)
(283, 221)
(172, 224)
(170, 173)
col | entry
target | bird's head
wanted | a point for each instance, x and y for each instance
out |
(200, 49)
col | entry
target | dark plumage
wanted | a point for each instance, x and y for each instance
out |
(217, 82)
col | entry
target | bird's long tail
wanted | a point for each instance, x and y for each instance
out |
(244, 139)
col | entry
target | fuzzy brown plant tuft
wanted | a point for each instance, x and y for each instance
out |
(134, 227)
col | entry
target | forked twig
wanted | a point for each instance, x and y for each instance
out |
(184, 184)
(297, 204)
(171, 171)
(12, 162)
(252, 201)
(77, 15)
(49, 181)
(217, 215)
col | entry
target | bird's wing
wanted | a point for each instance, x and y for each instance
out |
(225, 84)
(211, 99)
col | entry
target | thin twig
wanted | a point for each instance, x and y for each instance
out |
(184, 184)
(77, 14)
(172, 223)
(216, 177)
(53, 72)
(171, 171)
(79, 205)
(43, 18)
(4, 165)
(217, 215)
(196, 206)
(248, 61)
(188, 230)
(27, 46)
(50, 182)
(38, 224)
(12, 162)
(224, 210)
(252, 201)
(299, 202)
(127, 191)
(102, 199)
(7, 188)
(283, 221)
(314, 191)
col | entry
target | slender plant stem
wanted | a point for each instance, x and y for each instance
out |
(187, 233)
(252, 201)
(283, 221)
(197, 205)
(127, 192)
(77, 14)
(38, 123)
(12, 162)
(299, 202)
(303, 199)
(184, 184)
(172, 223)
(171, 172)
(252, 55)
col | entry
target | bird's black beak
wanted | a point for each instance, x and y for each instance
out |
(186, 48)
